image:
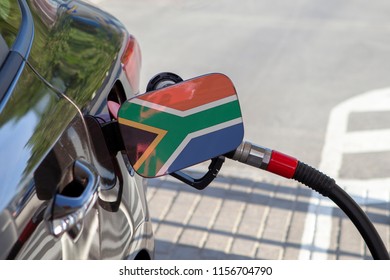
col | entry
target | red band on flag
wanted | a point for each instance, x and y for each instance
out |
(183, 98)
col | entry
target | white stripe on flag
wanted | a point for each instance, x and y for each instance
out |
(191, 136)
(185, 113)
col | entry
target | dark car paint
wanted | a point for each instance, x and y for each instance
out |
(17, 31)
(10, 20)
(45, 126)
(3, 50)
(27, 132)
(76, 48)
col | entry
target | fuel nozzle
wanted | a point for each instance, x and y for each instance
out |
(265, 158)
(253, 155)
(282, 165)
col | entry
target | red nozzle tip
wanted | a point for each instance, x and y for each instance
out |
(282, 164)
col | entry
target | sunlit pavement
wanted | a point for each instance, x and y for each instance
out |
(240, 217)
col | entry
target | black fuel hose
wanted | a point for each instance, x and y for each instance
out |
(289, 167)
(327, 186)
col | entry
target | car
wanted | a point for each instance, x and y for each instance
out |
(67, 191)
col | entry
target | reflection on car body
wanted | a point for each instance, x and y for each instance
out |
(64, 194)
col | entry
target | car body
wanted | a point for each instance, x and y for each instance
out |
(65, 192)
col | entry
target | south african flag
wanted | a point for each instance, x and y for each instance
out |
(181, 125)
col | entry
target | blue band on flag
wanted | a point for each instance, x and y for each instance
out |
(203, 147)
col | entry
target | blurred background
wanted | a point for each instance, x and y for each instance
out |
(313, 78)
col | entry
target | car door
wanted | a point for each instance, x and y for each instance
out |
(62, 194)
(49, 179)
(46, 166)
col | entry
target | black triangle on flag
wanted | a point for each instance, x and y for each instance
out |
(136, 141)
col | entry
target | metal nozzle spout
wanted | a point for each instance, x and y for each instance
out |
(248, 153)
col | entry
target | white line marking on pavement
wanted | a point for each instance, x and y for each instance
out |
(318, 224)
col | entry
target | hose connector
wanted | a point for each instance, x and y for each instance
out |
(265, 158)
(253, 155)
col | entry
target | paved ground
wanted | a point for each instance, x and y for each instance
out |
(307, 74)
(242, 216)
